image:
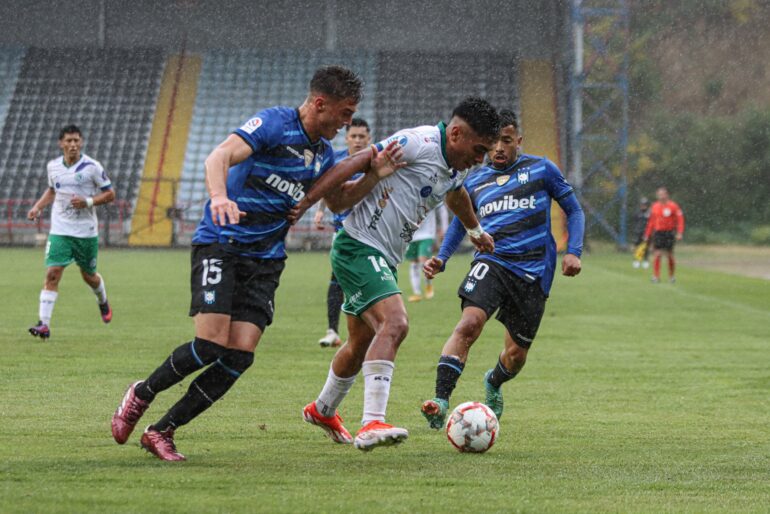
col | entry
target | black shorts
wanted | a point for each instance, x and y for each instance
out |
(227, 283)
(664, 240)
(489, 286)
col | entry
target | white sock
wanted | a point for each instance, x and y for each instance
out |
(414, 277)
(47, 301)
(377, 377)
(100, 291)
(334, 391)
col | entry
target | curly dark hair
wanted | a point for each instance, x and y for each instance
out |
(338, 82)
(507, 118)
(480, 115)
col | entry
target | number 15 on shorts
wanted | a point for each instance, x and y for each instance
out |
(212, 272)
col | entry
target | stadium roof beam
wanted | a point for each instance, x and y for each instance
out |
(598, 116)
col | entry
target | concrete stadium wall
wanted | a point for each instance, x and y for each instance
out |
(532, 29)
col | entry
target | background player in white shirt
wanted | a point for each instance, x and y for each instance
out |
(76, 185)
(373, 241)
(421, 249)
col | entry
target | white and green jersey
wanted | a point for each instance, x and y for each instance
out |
(388, 216)
(83, 179)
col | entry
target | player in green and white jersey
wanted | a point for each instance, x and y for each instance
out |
(374, 238)
(76, 185)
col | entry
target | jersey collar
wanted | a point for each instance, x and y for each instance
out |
(304, 132)
(442, 132)
(509, 168)
(64, 163)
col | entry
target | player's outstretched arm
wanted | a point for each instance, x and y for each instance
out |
(383, 164)
(460, 203)
(45, 200)
(230, 152)
(340, 195)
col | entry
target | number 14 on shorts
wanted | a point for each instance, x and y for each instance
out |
(381, 266)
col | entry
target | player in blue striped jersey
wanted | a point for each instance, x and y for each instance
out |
(254, 178)
(357, 137)
(512, 197)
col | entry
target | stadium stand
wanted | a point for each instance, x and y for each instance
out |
(235, 84)
(10, 64)
(423, 87)
(109, 93)
(153, 220)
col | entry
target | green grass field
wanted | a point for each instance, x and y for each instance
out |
(636, 398)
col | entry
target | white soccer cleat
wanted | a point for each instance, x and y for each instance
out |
(377, 433)
(331, 339)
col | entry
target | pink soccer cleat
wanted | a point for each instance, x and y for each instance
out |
(332, 425)
(40, 330)
(106, 311)
(161, 444)
(127, 414)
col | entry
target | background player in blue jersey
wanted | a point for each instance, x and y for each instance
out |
(254, 178)
(357, 137)
(512, 198)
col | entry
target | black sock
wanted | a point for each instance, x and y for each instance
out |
(448, 372)
(334, 299)
(208, 387)
(185, 359)
(500, 375)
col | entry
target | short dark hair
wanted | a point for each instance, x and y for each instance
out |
(69, 129)
(338, 82)
(358, 122)
(507, 118)
(480, 115)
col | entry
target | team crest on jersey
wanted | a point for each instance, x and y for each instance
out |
(308, 157)
(78, 177)
(502, 180)
(523, 177)
(253, 124)
(209, 297)
(383, 201)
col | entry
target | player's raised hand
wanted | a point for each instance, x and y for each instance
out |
(570, 265)
(484, 243)
(387, 161)
(224, 211)
(432, 267)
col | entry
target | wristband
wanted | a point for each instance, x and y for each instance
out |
(90, 201)
(475, 232)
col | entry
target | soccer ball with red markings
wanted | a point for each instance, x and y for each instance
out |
(472, 427)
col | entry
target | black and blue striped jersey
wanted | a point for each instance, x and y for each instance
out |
(283, 166)
(514, 206)
(338, 218)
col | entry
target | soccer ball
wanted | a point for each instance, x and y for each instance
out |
(472, 427)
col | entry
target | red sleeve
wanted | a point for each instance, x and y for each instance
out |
(679, 220)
